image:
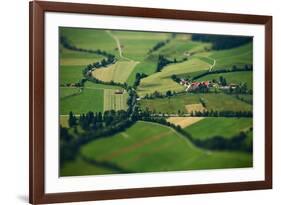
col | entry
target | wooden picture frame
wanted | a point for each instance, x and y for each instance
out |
(37, 99)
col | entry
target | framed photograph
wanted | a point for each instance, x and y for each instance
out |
(139, 102)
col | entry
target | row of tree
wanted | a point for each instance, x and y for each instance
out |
(222, 113)
(163, 61)
(161, 44)
(138, 78)
(220, 42)
(226, 70)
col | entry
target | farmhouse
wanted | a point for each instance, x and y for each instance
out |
(197, 85)
(184, 82)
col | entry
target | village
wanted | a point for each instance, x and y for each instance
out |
(205, 86)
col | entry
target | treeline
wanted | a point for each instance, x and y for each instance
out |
(66, 44)
(235, 143)
(221, 41)
(226, 70)
(157, 94)
(88, 76)
(223, 113)
(161, 44)
(138, 78)
(94, 126)
(163, 61)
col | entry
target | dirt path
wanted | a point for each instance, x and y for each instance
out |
(214, 63)
(118, 45)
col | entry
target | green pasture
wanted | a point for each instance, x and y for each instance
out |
(236, 56)
(76, 58)
(87, 100)
(147, 66)
(150, 147)
(90, 39)
(219, 126)
(70, 74)
(94, 97)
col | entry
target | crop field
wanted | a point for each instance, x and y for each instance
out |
(233, 77)
(148, 147)
(215, 102)
(114, 101)
(184, 121)
(219, 126)
(118, 72)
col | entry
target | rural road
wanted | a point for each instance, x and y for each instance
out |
(118, 45)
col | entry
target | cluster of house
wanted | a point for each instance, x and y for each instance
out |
(193, 86)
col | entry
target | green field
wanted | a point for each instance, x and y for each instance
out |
(147, 66)
(87, 100)
(75, 58)
(215, 102)
(148, 147)
(233, 77)
(235, 56)
(70, 74)
(219, 126)
(90, 39)
(66, 92)
(181, 46)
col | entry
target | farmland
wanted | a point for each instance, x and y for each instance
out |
(147, 147)
(162, 81)
(219, 102)
(88, 100)
(114, 101)
(135, 101)
(118, 72)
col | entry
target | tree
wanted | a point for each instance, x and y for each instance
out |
(72, 119)
(169, 93)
